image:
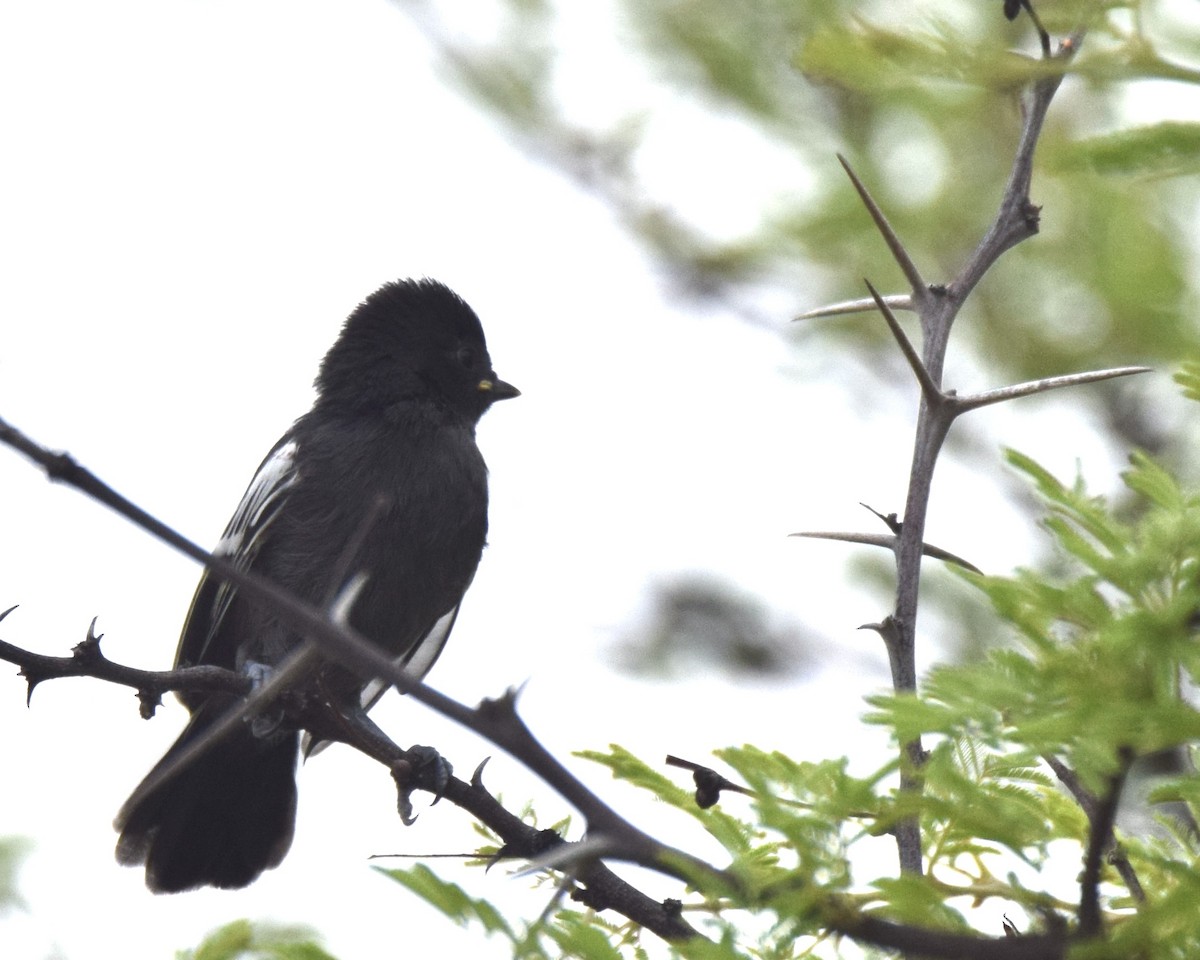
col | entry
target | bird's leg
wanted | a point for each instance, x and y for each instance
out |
(417, 768)
(266, 723)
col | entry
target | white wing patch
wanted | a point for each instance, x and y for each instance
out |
(259, 502)
(418, 661)
(243, 537)
(416, 664)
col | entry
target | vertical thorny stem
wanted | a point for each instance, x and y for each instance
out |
(937, 308)
(902, 640)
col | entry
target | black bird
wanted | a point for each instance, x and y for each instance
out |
(381, 478)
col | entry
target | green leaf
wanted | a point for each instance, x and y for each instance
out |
(1089, 513)
(244, 940)
(916, 900)
(1167, 149)
(450, 899)
(1154, 483)
(576, 937)
(12, 851)
(1188, 377)
(872, 58)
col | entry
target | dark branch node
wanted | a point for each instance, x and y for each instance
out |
(891, 520)
(709, 783)
(148, 702)
(61, 467)
(499, 709)
(87, 651)
(538, 843)
(1032, 214)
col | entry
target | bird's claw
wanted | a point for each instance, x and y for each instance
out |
(421, 768)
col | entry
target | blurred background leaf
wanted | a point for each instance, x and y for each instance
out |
(698, 623)
(12, 852)
(713, 136)
(924, 99)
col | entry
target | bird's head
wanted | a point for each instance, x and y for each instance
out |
(411, 340)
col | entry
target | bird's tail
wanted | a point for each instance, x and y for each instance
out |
(218, 819)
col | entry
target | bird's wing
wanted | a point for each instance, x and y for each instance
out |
(241, 542)
(418, 660)
(416, 663)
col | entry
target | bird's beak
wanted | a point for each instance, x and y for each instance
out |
(498, 389)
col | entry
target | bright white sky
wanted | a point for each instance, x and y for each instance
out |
(194, 196)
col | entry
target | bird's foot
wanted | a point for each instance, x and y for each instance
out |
(421, 768)
(267, 723)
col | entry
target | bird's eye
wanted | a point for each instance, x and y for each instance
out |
(467, 357)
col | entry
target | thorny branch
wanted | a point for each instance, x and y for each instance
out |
(937, 308)
(601, 889)
(86, 660)
(1102, 838)
(1100, 823)
(494, 720)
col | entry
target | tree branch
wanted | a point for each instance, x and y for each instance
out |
(1091, 806)
(1099, 840)
(963, 403)
(87, 660)
(602, 888)
(495, 720)
(937, 307)
(1017, 218)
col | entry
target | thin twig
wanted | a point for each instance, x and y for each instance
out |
(965, 402)
(1089, 805)
(710, 784)
(1099, 840)
(87, 660)
(1017, 218)
(888, 542)
(897, 301)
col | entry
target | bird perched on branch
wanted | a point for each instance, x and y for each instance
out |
(381, 482)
